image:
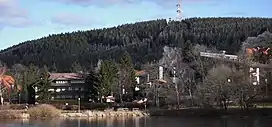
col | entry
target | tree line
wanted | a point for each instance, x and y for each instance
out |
(107, 79)
(144, 41)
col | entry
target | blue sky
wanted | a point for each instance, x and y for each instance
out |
(22, 20)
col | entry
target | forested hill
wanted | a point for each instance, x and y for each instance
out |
(142, 40)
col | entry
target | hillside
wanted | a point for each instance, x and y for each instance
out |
(143, 40)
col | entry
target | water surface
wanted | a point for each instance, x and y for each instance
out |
(143, 122)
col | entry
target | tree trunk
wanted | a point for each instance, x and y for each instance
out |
(177, 94)
(191, 96)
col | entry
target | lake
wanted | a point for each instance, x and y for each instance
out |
(144, 122)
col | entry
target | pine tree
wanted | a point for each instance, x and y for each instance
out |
(93, 80)
(77, 68)
(44, 84)
(108, 72)
(127, 74)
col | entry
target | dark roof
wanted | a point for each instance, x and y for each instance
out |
(65, 76)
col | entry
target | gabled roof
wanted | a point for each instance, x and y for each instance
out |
(65, 76)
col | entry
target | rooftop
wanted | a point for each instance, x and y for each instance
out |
(140, 73)
(65, 76)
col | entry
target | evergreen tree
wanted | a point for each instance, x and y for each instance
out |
(54, 68)
(108, 72)
(127, 74)
(77, 68)
(143, 41)
(31, 77)
(93, 80)
(44, 84)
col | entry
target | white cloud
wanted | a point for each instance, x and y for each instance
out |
(11, 14)
(71, 19)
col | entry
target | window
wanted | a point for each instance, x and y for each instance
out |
(82, 89)
(76, 89)
(52, 90)
(70, 89)
(78, 81)
(68, 96)
(61, 82)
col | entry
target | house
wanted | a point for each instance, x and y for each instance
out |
(141, 77)
(67, 86)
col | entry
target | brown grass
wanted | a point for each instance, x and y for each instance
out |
(44, 111)
(10, 114)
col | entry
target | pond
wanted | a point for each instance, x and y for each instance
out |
(143, 122)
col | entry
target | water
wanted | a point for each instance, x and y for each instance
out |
(143, 122)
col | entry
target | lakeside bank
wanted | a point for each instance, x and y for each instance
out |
(49, 111)
(17, 114)
(21, 114)
(201, 112)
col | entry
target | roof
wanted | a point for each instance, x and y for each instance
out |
(65, 76)
(161, 81)
(140, 73)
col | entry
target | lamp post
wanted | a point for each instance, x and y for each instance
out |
(19, 98)
(79, 105)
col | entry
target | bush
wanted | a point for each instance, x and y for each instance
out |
(97, 106)
(62, 102)
(44, 111)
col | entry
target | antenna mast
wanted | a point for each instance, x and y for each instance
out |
(179, 11)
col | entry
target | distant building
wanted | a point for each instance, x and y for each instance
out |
(68, 86)
(141, 77)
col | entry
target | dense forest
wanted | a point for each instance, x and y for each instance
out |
(144, 41)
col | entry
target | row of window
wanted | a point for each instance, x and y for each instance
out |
(67, 97)
(66, 89)
(74, 81)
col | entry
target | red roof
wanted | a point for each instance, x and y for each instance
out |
(65, 76)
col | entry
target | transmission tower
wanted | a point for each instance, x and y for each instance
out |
(179, 11)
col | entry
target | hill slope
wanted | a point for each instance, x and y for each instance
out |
(143, 40)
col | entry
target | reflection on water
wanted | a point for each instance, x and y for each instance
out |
(143, 122)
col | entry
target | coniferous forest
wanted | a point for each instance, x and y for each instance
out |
(144, 41)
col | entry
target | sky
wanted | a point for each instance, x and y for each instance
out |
(23, 20)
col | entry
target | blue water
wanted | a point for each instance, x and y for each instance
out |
(143, 122)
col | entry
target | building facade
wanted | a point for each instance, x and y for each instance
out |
(67, 86)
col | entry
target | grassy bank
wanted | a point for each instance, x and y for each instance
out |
(49, 111)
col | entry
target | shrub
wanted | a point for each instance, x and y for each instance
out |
(44, 111)
(132, 105)
(97, 106)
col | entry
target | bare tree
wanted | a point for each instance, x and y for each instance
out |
(183, 72)
(245, 91)
(224, 84)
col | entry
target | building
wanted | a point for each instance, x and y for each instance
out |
(141, 77)
(67, 86)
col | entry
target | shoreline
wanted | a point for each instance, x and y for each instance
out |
(190, 112)
(20, 114)
(201, 112)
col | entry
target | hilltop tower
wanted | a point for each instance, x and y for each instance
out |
(179, 11)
